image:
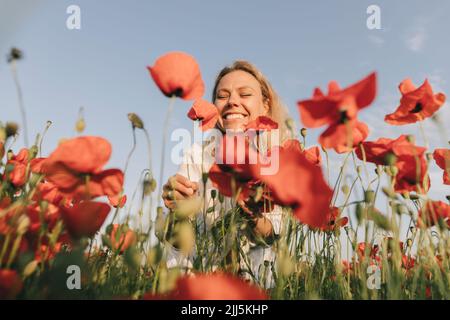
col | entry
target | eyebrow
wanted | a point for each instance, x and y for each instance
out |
(243, 87)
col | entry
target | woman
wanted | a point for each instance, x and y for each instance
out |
(241, 94)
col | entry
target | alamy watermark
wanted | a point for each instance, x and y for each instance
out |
(373, 21)
(249, 147)
(73, 21)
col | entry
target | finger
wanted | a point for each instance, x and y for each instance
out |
(183, 180)
(169, 204)
(194, 185)
(178, 196)
(184, 190)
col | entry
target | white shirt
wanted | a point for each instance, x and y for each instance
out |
(258, 258)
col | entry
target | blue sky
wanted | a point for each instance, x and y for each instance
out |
(297, 44)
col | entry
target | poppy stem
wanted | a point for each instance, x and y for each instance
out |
(21, 104)
(422, 132)
(163, 149)
(131, 151)
(49, 123)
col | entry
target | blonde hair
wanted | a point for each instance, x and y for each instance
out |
(277, 111)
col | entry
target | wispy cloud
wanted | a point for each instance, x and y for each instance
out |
(376, 40)
(415, 42)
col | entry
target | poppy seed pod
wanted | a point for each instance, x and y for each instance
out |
(80, 125)
(11, 129)
(135, 120)
(303, 132)
(14, 54)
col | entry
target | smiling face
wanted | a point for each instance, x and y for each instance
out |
(239, 100)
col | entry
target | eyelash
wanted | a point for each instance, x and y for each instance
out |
(242, 95)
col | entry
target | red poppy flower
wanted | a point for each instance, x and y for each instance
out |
(333, 220)
(408, 262)
(84, 219)
(205, 112)
(409, 160)
(178, 74)
(20, 162)
(9, 221)
(362, 247)
(343, 137)
(262, 123)
(46, 253)
(339, 110)
(37, 217)
(338, 104)
(442, 158)
(118, 201)
(10, 284)
(47, 191)
(216, 286)
(432, 211)
(309, 195)
(415, 104)
(75, 167)
(312, 154)
(121, 238)
(347, 267)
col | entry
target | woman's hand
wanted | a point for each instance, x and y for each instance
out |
(178, 188)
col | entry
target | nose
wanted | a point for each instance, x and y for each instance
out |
(233, 100)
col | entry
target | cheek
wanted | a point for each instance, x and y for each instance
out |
(255, 108)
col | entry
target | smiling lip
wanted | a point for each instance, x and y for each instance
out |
(234, 116)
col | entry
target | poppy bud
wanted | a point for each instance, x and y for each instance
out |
(392, 171)
(379, 170)
(205, 176)
(11, 129)
(359, 169)
(213, 194)
(80, 125)
(149, 186)
(345, 189)
(136, 121)
(159, 223)
(221, 198)
(409, 242)
(390, 159)
(132, 257)
(388, 192)
(188, 208)
(30, 268)
(2, 134)
(411, 138)
(14, 54)
(109, 229)
(290, 123)
(359, 212)
(447, 197)
(185, 237)
(154, 256)
(303, 132)
(23, 224)
(369, 196)
(33, 151)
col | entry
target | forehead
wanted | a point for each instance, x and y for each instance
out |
(237, 79)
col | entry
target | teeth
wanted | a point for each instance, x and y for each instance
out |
(234, 116)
